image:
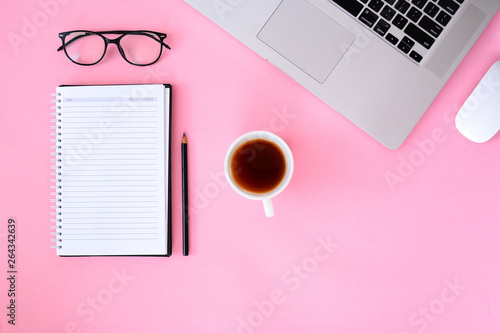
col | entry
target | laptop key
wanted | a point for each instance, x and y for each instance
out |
(382, 27)
(402, 6)
(404, 47)
(419, 3)
(414, 14)
(431, 9)
(415, 56)
(408, 41)
(392, 39)
(388, 13)
(449, 5)
(400, 22)
(443, 18)
(376, 5)
(353, 7)
(419, 35)
(430, 26)
(368, 17)
(390, 2)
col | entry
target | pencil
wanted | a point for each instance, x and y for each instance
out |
(185, 216)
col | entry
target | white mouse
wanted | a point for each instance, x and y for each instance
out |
(479, 118)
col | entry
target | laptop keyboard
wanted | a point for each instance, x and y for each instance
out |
(411, 26)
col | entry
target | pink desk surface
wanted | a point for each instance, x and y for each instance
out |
(365, 239)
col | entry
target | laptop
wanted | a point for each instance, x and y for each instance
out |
(380, 63)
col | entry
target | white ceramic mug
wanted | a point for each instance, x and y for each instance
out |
(265, 196)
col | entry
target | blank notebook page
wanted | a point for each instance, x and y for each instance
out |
(111, 169)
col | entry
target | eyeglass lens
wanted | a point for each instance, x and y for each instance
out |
(87, 48)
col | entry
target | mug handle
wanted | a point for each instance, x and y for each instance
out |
(268, 207)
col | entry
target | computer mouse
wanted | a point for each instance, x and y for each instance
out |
(479, 118)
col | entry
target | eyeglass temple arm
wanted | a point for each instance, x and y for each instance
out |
(72, 40)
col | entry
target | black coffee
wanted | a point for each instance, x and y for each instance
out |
(258, 166)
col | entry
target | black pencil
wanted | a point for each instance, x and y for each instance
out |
(185, 216)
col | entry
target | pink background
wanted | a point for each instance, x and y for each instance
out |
(348, 251)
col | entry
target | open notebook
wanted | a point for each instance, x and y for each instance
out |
(112, 170)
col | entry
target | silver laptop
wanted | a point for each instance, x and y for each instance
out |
(380, 63)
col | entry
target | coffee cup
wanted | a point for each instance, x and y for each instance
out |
(259, 166)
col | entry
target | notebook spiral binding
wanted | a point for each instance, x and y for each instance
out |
(56, 164)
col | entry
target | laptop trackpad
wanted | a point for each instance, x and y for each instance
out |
(306, 37)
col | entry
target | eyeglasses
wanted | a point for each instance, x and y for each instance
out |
(140, 47)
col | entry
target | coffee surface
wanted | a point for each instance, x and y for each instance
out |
(258, 166)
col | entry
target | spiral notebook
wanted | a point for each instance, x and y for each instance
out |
(112, 170)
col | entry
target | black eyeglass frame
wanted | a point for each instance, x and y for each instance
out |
(161, 37)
